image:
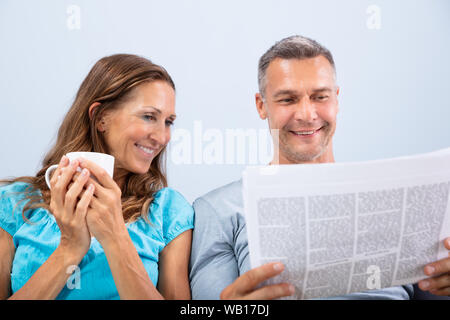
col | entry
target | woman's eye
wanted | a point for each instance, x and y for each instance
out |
(148, 117)
(169, 123)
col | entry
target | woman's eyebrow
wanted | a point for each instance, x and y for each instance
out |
(158, 110)
(151, 107)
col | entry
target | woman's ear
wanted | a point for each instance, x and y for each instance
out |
(92, 108)
(101, 125)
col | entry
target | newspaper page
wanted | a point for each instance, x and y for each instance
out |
(349, 227)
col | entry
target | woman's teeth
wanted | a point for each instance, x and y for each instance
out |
(146, 150)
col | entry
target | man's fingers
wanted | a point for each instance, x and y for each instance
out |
(435, 283)
(249, 280)
(441, 292)
(447, 244)
(438, 267)
(270, 292)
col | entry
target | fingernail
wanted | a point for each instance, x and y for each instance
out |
(278, 266)
(63, 160)
(84, 172)
(425, 284)
(429, 270)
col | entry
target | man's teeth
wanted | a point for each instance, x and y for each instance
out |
(304, 132)
(145, 149)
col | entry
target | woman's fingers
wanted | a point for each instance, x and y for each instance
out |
(97, 205)
(57, 197)
(65, 177)
(83, 204)
(102, 176)
(55, 176)
(75, 190)
(99, 191)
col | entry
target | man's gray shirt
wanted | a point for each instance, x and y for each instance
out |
(220, 248)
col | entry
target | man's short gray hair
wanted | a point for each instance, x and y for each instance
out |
(293, 47)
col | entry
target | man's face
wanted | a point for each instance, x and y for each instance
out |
(301, 102)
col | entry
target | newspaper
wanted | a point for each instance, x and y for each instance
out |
(349, 227)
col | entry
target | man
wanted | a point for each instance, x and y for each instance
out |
(298, 97)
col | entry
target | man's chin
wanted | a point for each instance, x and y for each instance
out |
(302, 156)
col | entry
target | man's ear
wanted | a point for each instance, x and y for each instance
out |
(260, 106)
(337, 94)
(101, 125)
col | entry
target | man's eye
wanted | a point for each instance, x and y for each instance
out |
(320, 98)
(286, 100)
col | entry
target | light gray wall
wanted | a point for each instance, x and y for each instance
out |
(392, 61)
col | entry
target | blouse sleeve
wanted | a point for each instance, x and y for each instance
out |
(11, 207)
(177, 214)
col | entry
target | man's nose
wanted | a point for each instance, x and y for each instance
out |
(305, 110)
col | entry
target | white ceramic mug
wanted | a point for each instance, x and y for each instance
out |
(104, 160)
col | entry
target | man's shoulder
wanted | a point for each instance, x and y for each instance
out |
(229, 191)
(224, 201)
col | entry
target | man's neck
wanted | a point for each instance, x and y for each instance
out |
(326, 157)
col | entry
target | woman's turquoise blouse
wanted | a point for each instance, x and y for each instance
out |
(170, 215)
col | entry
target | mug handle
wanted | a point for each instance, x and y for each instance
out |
(48, 172)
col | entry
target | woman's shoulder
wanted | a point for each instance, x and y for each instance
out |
(12, 196)
(175, 212)
(169, 196)
(14, 190)
(171, 204)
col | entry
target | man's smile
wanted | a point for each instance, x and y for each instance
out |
(306, 133)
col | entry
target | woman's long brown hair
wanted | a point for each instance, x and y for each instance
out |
(109, 82)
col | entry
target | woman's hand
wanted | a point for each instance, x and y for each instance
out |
(69, 205)
(104, 216)
(106, 223)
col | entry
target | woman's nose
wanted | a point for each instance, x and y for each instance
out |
(158, 134)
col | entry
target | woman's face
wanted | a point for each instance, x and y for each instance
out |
(140, 128)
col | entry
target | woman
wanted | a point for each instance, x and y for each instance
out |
(125, 237)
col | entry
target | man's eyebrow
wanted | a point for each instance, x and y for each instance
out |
(322, 89)
(284, 92)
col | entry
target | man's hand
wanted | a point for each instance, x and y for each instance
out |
(439, 284)
(243, 288)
